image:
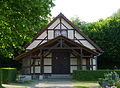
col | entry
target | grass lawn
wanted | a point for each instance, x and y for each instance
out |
(23, 83)
(84, 84)
(15, 84)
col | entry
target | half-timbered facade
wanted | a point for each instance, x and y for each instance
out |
(59, 48)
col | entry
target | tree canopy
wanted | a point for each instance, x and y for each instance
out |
(106, 33)
(19, 21)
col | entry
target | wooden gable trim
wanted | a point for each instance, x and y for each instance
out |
(78, 30)
(45, 28)
(70, 23)
(52, 41)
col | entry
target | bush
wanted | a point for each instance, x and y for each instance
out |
(118, 86)
(89, 75)
(112, 79)
(9, 75)
(0, 78)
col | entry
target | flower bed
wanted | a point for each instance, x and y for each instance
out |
(110, 80)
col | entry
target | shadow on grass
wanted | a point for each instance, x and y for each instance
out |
(80, 87)
(85, 84)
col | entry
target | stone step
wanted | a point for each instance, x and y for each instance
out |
(58, 76)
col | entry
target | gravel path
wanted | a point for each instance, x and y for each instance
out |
(44, 84)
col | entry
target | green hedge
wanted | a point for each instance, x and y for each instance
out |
(88, 75)
(8, 75)
(0, 78)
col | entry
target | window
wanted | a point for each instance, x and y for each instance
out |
(57, 33)
(60, 32)
(64, 32)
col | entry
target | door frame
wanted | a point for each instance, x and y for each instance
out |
(67, 51)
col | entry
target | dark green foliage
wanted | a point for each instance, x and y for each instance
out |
(88, 75)
(6, 62)
(118, 86)
(8, 75)
(19, 21)
(106, 34)
(0, 78)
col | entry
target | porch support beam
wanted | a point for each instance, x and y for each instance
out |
(42, 62)
(91, 62)
(61, 43)
(72, 49)
(30, 63)
(81, 50)
(49, 49)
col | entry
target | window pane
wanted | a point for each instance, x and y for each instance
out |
(64, 32)
(57, 33)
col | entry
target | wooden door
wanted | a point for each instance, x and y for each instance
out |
(61, 63)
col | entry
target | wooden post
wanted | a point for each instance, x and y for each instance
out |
(42, 62)
(78, 63)
(30, 63)
(61, 43)
(81, 58)
(92, 62)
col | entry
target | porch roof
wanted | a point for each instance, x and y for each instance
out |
(51, 42)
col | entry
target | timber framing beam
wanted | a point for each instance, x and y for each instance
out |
(72, 49)
(62, 48)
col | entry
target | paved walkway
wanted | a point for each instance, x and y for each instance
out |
(44, 84)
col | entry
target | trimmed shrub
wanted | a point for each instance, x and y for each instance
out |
(8, 75)
(89, 75)
(0, 78)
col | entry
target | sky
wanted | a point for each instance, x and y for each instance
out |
(86, 10)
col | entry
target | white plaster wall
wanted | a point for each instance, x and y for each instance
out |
(83, 61)
(50, 55)
(44, 41)
(94, 61)
(66, 24)
(37, 69)
(47, 69)
(77, 41)
(31, 69)
(58, 27)
(73, 61)
(36, 62)
(40, 77)
(71, 55)
(84, 68)
(50, 34)
(73, 68)
(43, 35)
(94, 68)
(47, 62)
(78, 36)
(70, 34)
(33, 44)
(63, 27)
(87, 44)
(24, 77)
(54, 24)
(90, 61)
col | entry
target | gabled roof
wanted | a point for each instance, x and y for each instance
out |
(70, 23)
(52, 41)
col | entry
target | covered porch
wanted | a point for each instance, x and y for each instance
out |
(58, 56)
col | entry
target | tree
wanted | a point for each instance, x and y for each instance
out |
(19, 21)
(106, 34)
(117, 14)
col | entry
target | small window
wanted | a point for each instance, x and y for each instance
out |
(37, 62)
(64, 32)
(57, 33)
(60, 32)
